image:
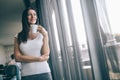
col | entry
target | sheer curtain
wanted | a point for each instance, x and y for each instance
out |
(114, 49)
(96, 50)
(79, 32)
(69, 59)
(111, 45)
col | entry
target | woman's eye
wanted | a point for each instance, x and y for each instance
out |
(34, 14)
(29, 14)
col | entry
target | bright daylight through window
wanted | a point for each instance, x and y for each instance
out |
(114, 15)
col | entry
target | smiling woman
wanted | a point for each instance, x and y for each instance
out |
(32, 49)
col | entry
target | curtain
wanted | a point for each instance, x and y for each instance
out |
(65, 58)
(111, 47)
(76, 54)
(45, 16)
(108, 39)
(96, 25)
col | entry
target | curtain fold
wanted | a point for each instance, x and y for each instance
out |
(45, 16)
(94, 30)
(66, 47)
(62, 40)
(76, 46)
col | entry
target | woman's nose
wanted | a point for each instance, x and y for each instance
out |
(33, 15)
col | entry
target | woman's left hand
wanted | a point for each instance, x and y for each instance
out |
(42, 30)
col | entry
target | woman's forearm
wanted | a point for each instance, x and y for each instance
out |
(24, 58)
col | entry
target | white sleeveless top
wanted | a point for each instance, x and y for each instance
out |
(33, 48)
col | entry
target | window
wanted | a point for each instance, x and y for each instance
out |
(69, 55)
(112, 8)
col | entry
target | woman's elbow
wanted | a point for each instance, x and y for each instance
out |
(18, 58)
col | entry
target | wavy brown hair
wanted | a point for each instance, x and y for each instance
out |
(23, 35)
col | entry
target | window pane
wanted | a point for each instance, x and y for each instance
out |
(113, 50)
(81, 36)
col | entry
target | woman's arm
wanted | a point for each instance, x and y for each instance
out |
(45, 48)
(23, 58)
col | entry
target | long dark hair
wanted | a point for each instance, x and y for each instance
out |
(23, 35)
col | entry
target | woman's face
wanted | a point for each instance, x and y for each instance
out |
(32, 16)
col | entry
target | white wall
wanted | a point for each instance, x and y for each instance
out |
(2, 55)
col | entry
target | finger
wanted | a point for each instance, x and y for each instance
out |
(39, 28)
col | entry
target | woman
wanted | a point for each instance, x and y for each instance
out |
(32, 49)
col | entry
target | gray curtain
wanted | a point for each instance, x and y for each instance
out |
(66, 62)
(96, 38)
(110, 45)
(102, 44)
(45, 18)
(65, 56)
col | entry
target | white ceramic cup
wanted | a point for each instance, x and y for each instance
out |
(34, 28)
